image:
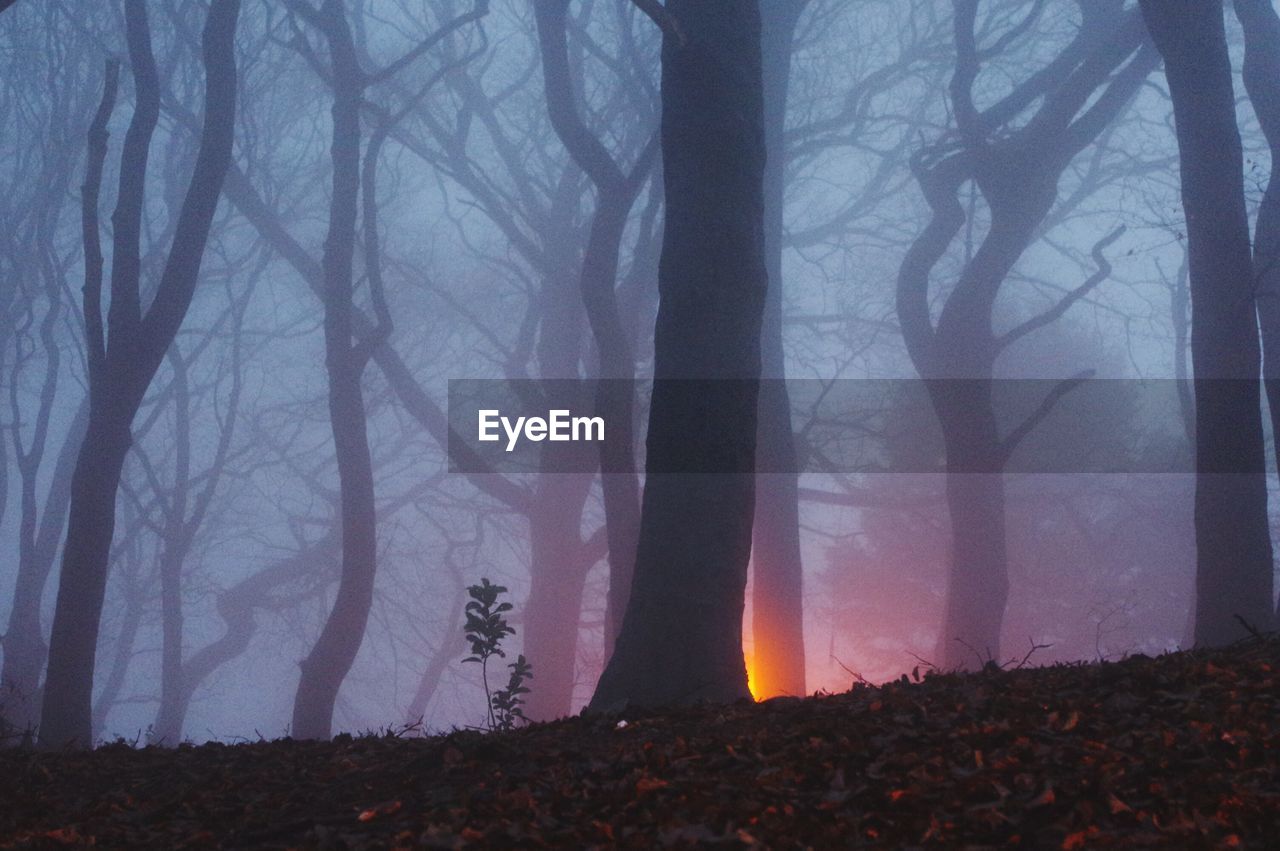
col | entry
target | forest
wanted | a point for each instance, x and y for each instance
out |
(404, 395)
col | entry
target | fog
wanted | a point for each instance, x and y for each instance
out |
(477, 245)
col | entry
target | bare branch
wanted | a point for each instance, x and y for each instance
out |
(1062, 388)
(90, 192)
(1064, 304)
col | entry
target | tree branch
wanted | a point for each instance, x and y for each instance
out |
(1062, 388)
(1064, 304)
(90, 192)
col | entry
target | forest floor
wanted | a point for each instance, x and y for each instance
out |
(1180, 751)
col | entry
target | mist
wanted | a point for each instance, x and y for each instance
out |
(344, 207)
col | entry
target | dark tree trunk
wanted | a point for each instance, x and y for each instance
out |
(40, 527)
(119, 373)
(681, 637)
(777, 583)
(1262, 83)
(1233, 543)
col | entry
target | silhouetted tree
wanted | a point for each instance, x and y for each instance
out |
(1233, 542)
(681, 637)
(124, 356)
(1261, 26)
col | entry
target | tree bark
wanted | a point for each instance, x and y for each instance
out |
(681, 637)
(777, 583)
(1262, 83)
(119, 373)
(1234, 585)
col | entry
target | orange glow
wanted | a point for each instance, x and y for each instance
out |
(752, 679)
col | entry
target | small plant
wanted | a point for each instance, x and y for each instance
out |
(485, 629)
(506, 703)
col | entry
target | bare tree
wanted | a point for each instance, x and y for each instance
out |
(347, 353)
(1262, 83)
(616, 192)
(1233, 541)
(681, 637)
(124, 356)
(39, 254)
(777, 616)
(1015, 152)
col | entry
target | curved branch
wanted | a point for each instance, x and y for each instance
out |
(1064, 304)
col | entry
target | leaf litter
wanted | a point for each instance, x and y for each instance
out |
(1179, 751)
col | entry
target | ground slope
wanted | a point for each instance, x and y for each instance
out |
(1181, 751)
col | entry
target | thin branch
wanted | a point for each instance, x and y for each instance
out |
(477, 12)
(1062, 388)
(1064, 304)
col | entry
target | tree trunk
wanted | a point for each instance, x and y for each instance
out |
(552, 614)
(119, 373)
(1262, 83)
(681, 637)
(66, 708)
(1233, 543)
(1017, 170)
(978, 582)
(616, 192)
(334, 652)
(25, 650)
(777, 585)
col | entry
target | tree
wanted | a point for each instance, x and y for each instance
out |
(1014, 152)
(777, 615)
(1233, 542)
(348, 350)
(124, 356)
(1262, 83)
(616, 192)
(681, 637)
(39, 251)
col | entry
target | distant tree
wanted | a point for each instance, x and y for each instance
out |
(777, 585)
(1013, 151)
(348, 349)
(47, 112)
(123, 357)
(616, 193)
(681, 637)
(1233, 544)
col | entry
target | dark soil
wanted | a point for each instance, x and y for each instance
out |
(1180, 751)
